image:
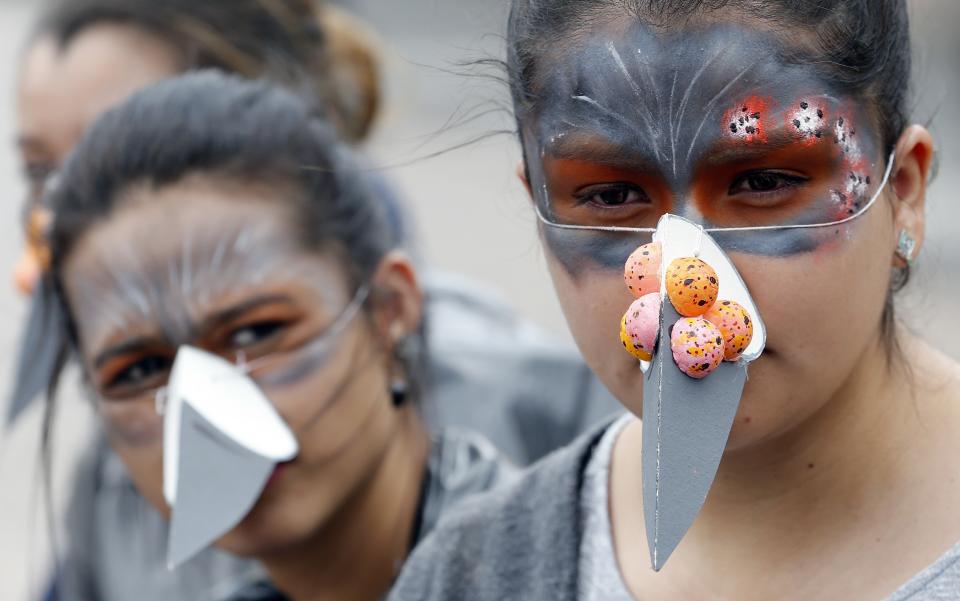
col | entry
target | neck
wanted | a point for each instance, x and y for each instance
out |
(356, 557)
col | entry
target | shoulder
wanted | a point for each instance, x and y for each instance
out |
(517, 541)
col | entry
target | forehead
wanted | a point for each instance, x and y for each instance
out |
(669, 88)
(168, 257)
(194, 218)
(62, 90)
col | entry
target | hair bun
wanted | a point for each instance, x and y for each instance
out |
(353, 62)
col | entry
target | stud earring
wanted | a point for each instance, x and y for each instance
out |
(398, 393)
(906, 246)
(399, 389)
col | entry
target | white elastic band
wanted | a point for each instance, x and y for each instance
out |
(756, 228)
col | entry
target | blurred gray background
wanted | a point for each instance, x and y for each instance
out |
(470, 210)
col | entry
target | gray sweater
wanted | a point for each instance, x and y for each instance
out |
(522, 543)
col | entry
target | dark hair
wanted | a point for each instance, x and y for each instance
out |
(314, 50)
(862, 45)
(223, 125)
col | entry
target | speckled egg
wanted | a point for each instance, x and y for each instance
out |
(642, 323)
(697, 346)
(692, 286)
(632, 347)
(641, 273)
(735, 326)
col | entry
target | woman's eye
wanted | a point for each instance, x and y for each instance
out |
(764, 181)
(255, 333)
(613, 196)
(143, 372)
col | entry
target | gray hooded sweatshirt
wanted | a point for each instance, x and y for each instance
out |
(522, 542)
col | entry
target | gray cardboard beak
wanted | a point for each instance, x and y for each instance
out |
(222, 440)
(686, 422)
(42, 348)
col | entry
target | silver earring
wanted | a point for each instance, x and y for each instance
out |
(906, 246)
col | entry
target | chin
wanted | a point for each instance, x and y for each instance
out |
(258, 536)
(274, 523)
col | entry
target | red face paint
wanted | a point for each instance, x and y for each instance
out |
(746, 121)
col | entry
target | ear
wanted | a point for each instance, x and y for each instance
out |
(398, 300)
(914, 158)
(522, 176)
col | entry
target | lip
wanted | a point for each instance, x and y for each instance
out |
(278, 473)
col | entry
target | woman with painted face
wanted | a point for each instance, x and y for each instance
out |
(255, 265)
(89, 55)
(771, 140)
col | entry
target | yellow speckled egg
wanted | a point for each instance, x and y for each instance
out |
(735, 326)
(630, 345)
(697, 346)
(641, 273)
(692, 285)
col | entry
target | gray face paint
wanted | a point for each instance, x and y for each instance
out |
(659, 108)
(168, 284)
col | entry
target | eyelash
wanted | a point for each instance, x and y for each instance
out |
(148, 369)
(272, 327)
(787, 180)
(586, 195)
(152, 366)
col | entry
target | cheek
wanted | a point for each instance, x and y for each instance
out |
(593, 303)
(823, 302)
(132, 424)
(342, 416)
(822, 311)
(144, 464)
(344, 421)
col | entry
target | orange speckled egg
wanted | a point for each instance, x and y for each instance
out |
(630, 345)
(697, 346)
(692, 286)
(641, 273)
(735, 325)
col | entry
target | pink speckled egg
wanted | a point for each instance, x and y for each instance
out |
(630, 346)
(692, 285)
(642, 323)
(735, 325)
(697, 346)
(641, 273)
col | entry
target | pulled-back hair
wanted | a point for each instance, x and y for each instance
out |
(862, 46)
(303, 45)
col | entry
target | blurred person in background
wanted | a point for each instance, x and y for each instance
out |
(212, 228)
(486, 368)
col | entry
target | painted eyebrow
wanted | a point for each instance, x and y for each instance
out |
(728, 151)
(125, 348)
(224, 316)
(231, 313)
(599, 150)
